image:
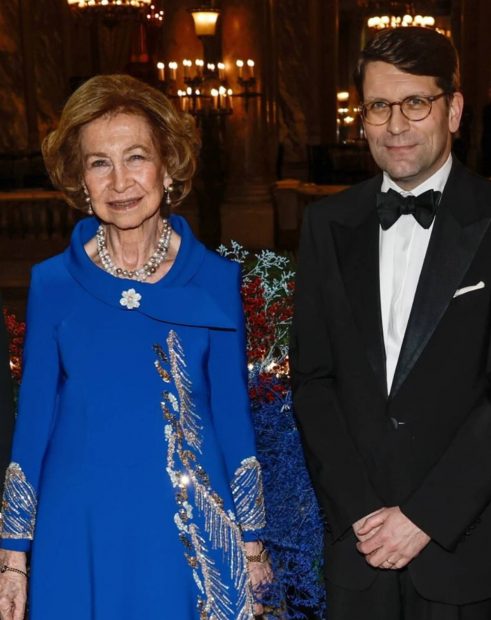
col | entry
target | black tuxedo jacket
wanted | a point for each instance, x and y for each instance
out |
(426, 446)
(6, 401)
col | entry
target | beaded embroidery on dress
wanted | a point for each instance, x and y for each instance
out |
(18, 506)
(195, 496)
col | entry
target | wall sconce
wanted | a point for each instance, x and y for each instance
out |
(346, 117)
(205, 20)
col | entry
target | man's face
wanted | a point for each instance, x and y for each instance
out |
(409, 151)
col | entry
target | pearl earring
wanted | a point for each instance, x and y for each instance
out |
(167, 196)
(88, 202)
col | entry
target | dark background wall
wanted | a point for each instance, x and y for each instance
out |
(304, 52)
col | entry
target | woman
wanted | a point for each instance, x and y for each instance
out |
(133, 478)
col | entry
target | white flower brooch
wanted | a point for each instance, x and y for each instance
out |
(130, 299)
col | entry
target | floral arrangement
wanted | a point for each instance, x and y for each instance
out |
(294, 528)
(267, 292)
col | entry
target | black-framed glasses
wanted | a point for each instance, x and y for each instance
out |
(414, 108)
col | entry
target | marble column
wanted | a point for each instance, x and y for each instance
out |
(247, 210)
(323, 27)
(33, 86)
(13, 128)
(202, 207)
(475, 51)
(307, 42)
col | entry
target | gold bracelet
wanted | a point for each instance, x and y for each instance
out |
(5, 568)
(261, 557)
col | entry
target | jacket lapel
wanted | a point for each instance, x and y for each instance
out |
(452, 247)
(358, 253)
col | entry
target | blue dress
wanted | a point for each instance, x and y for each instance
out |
(134, 480)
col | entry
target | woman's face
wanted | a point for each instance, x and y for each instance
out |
(122, 170)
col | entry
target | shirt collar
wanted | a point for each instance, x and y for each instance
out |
(436, 182)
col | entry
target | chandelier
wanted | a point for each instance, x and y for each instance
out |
(378, 22)
(109, 9)
(396, 14)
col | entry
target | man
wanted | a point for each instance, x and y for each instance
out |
(6, 401)
(390, 353)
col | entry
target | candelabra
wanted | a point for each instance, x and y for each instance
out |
(204, 88)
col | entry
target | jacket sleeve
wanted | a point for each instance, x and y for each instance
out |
(227, 367)
(6, 399)
(37, 403)
(343, 488)
(458, 488)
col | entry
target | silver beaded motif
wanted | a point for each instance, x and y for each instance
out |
(18, 506)
(196, 497)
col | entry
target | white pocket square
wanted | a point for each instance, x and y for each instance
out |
(469, 289)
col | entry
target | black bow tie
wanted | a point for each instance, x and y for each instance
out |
(391, 205)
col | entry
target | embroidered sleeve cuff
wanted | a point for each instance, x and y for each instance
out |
(18, 506)
(247, 491)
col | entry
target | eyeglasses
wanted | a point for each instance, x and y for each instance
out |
(414, 108)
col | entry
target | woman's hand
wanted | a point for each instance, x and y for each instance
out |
(13, 586)
(260, 573)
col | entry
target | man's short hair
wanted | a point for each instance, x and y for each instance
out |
(419, 51)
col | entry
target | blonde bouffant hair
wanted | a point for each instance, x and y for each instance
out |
(174, 134)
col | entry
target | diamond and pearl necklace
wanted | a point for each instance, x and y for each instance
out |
(147, 269)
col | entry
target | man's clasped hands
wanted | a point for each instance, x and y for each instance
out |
(388, 539)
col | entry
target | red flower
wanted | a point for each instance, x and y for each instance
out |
(266, 323)
(16, 332)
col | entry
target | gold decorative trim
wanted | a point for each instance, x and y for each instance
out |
(18, 506)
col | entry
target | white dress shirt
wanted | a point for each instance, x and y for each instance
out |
(402, 250)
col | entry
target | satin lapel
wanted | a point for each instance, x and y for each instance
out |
(358, 252)
(450, 252)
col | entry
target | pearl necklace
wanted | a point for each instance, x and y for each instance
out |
(146, 270)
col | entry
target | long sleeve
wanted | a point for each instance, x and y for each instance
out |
(452, 496)
(227, 370)
(37, 403)
(338, 473)
(6, 400)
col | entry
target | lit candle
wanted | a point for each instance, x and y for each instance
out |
(180, 94)
(187, 65)
(199, 66)
(240, 67)
(250, 64)
(222, 91)
(221, 70)
(172, 66)
(230, 93)
(186, 100)
(214, 94)
(161, 71)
